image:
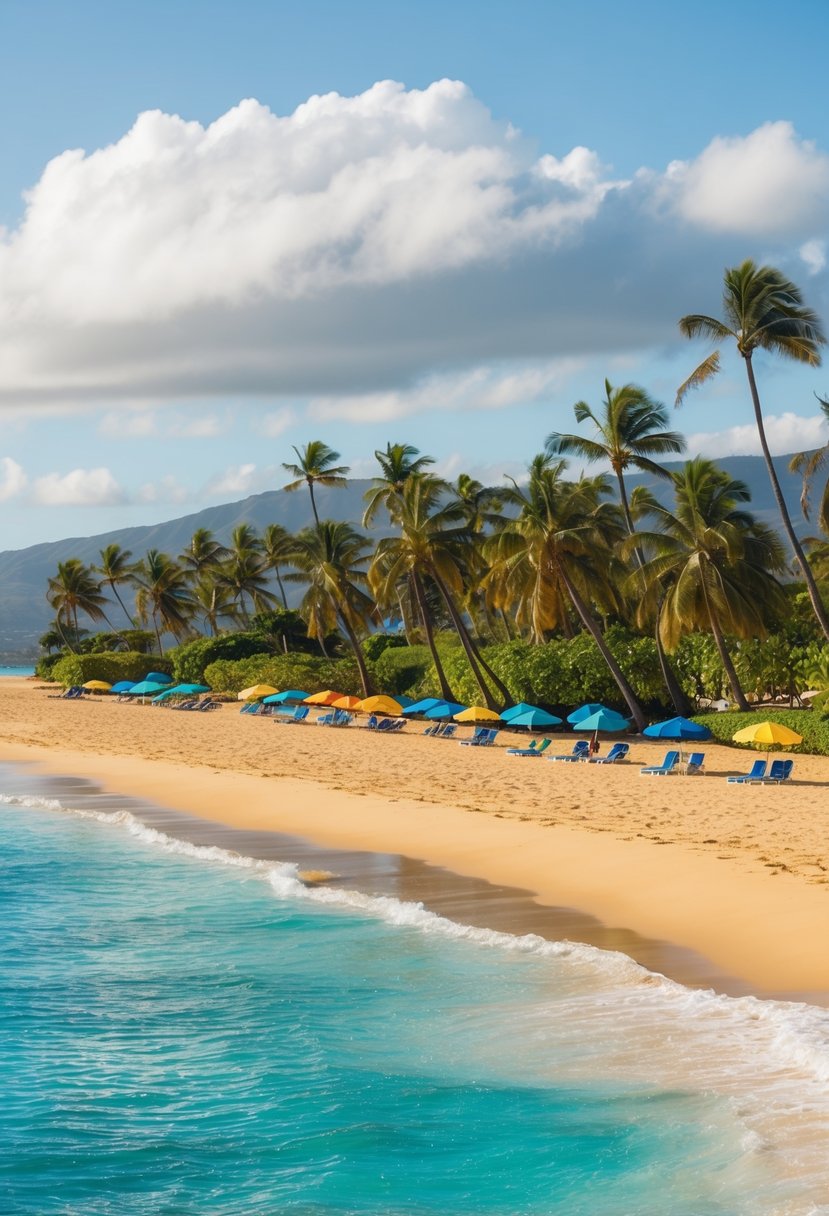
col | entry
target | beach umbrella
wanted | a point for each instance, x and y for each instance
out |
(602, 719)
(329, 697)
(255, 692)
(678, 729)
(421, 706)
(290, 694)
(346, 703)
(146, 688)
(181, 690)
(769, 735)
(523, 707)
(403, 701)
(585, 711)
(535, 719)
(379, 705)
(157, 677)
(477, 713)
(123, 686)
(97, 686)
(443, 710)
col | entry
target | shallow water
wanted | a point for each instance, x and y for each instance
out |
(187, 1030)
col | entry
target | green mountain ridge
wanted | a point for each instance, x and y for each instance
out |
(25, 614)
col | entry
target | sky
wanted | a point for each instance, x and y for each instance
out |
(227, 229)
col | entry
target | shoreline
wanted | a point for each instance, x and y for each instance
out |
(690, 903)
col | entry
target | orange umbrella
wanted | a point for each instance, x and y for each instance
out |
(329, 697)
(346, 703)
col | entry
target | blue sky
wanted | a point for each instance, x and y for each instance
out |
(450, 264)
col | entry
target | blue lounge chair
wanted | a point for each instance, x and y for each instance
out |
(617, 752)
(204, 707)
(535, 748)
(581, 751)
(755, 774)
(434, 728)
(695, 763)
(477, 735)
(781, 770)
(449, 731)
(485, 739)
(661, 770)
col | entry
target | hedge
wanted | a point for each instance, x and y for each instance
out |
(284, 671)
(814, 727)
(112, 667)
(191, 660)
(406, 669)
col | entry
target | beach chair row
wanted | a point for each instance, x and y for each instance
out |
(778, 772)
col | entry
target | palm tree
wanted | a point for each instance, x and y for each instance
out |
(277, 548)
(204, 552)
(629, 430)
(718, 563)
(809, 464)
(331, 560)
(558, 551)
(764, 311)
(246, 574)
(214, 601)
(397, 463)
(316, 465)
(74, 589)
(164, 594)
(116, 567)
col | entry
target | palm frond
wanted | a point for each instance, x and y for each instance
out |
(705, 371)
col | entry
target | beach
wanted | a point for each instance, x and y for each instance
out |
(736, 875)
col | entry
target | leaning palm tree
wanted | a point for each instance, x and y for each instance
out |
(717, 561)
(809, 464)
(117, 568)
(628, 431)
(331, 559)
(316, 465)
(558, 550)
(164, 595)
(73, 590)
(277, 549)
(764, 311)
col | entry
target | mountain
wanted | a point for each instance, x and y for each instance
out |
(25, 614)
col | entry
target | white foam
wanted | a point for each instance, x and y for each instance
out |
(770, 1059)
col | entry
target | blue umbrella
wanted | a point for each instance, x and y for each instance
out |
(420, 707)
(584, 711)
(402, 701)
(602, 719)
(146, 688)
(282, 698)
(123, 686)
(515, 710)
(677, 728)
(445, 709)
(535, 719)
(157, 677)
(181, 690)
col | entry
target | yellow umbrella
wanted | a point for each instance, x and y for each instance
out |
(97, 686)
(345, 703)
(477, 713)
(768, 735)
(329, 697)
(379, 705)
(255, 691)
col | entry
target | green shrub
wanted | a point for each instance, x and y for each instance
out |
(46, 665)
(378, 643)
(404, 669)
(812, 725)
(284, 671)
(126, 665)
(192, 658)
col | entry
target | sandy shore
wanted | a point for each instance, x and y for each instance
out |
(737, 874)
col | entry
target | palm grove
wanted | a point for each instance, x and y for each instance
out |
(556, 587)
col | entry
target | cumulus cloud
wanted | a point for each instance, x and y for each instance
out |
(785, 432)
(238, 479)
(356, 245)
(79, 488)
(13, 479)
(275, 423)
(167, 489)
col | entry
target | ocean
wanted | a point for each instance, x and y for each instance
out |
(188, 1030)
(19, 672)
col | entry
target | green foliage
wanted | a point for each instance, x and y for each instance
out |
(377, 643)
(280, 626)
(697, 663)
(46, 665)
(404, 669)
(191, 659)
(109, 666)
(284, 671)
(811, 724)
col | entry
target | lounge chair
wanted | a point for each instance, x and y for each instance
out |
(434, 728)
(617, 752)
(535, 748)
(204, 706)
(581, 751)
(754, 775)
(477, 735)
(251, 707)
(449, 731)
(694, 764)
(781, 770)
(661, 770)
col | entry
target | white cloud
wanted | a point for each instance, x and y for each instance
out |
(80, 488)
(13, 479)
(207, 426)
(356, 245)
(481, 388)
(765, 183)
(785, 432)
(238, 479)
(274, 424)
(167, 489)
(124, 424)
(813, 254)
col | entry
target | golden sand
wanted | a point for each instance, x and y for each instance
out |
(738, 873)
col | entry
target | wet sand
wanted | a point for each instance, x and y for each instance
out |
(732, 877)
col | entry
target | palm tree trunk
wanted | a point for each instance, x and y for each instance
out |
(281, 589)
(157, 634)
(466, 642)
(66, 641)
(313, 503)
(725, 657)
(420, 597)
(811, 585)
(359, 657)
(591, 625)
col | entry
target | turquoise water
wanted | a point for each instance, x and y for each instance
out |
(16, 671)
(185, 1031)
